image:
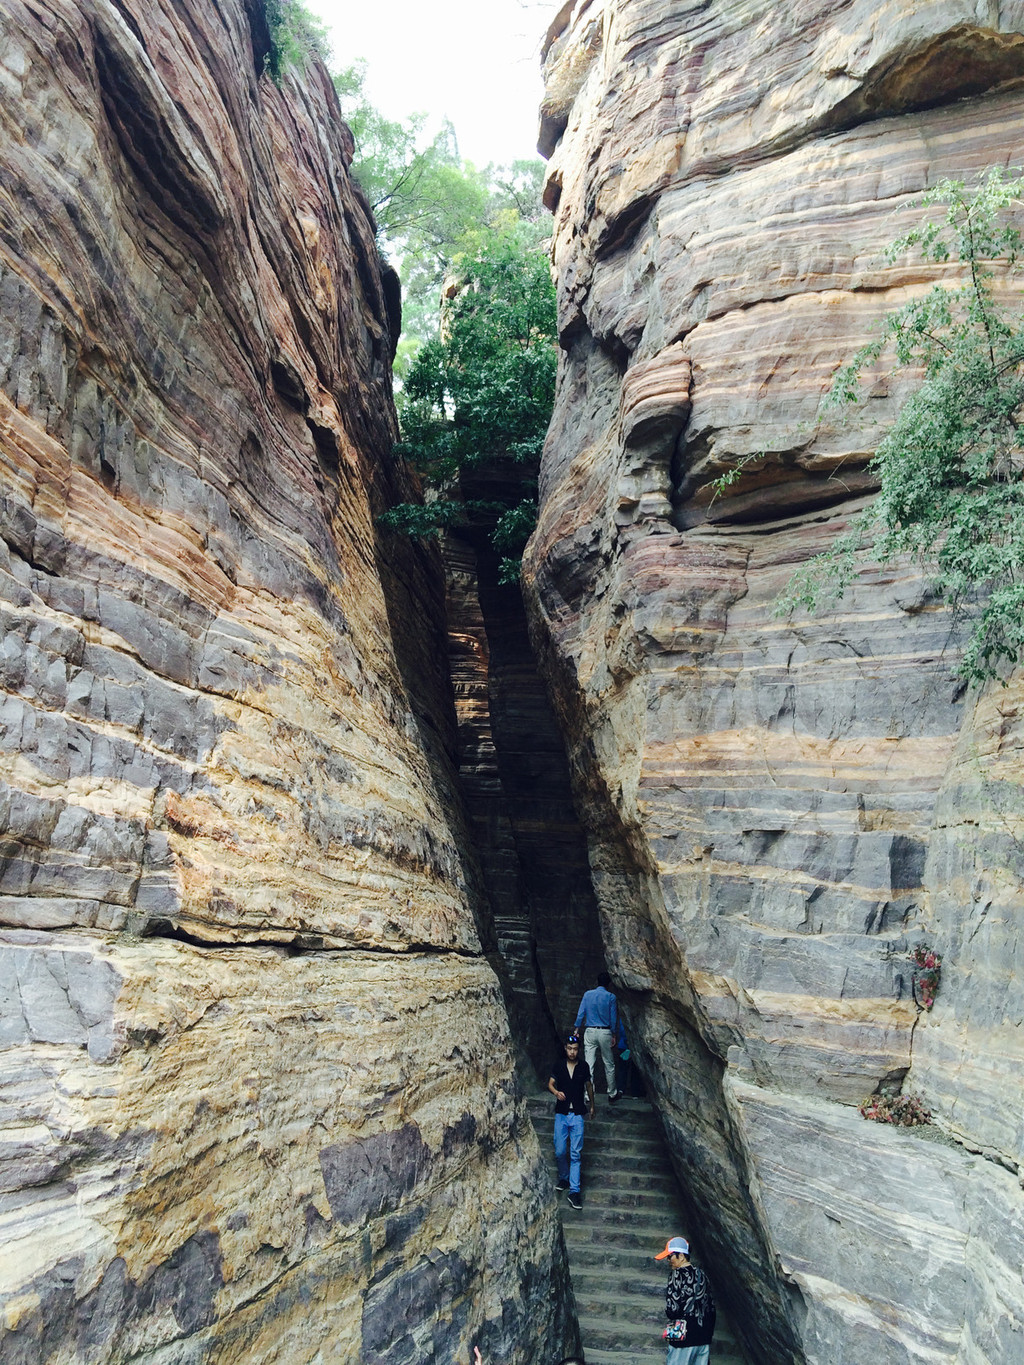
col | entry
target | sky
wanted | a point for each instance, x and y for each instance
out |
(473, 61)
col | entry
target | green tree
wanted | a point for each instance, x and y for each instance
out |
(479, 388)
(420, 193)
(427, 201)
(482, 391)
(951, 469)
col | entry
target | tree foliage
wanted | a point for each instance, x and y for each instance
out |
(476, 377)
(482, 391)
(951, 469)
(419, 190)
(428, 201)
(296, 34)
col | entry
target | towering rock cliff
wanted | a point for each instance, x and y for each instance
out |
(779, 810)
(257, 1098)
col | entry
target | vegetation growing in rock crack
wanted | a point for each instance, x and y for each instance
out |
(478, 389)
(902, 1111)
(951, 469)
(428, 202)
(481, 392)
(927, 973)
(296, 34)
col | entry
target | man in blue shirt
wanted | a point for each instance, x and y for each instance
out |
(600, 1009)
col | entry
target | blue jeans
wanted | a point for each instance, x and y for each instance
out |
(569, 1134)
(688, 1355)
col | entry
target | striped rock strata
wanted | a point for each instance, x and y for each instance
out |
(779, 809)
(258, 1098)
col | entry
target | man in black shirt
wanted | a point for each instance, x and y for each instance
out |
(570, 1077)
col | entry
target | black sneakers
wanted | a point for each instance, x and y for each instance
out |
(614, 1099)
(575, 1199)
(562, 1185)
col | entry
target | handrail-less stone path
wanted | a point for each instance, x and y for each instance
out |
(630, 1208)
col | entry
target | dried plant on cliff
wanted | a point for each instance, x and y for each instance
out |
(927, 973)
(902, 1111)
(951, 470)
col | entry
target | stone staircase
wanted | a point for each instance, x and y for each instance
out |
(630, 1209)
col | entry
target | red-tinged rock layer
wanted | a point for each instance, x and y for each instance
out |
(780, 808)
(259, 1099)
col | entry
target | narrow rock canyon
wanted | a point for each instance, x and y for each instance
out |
(312, 834)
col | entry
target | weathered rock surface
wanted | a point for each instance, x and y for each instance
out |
(251, 1155)
(258, 1089)
(780, 808)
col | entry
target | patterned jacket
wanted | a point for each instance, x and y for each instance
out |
(688, 1297)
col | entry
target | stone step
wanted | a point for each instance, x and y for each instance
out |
(651, 1221)
(641, 1202)
(649, 1147)
(627, 1262)
(631, 1237)
(626, 1112)
(625, 1165)
(608, 1153)
(644, 1283)
(629, 1109)
(593, 1233)
(596, 1139)
(635, 1357)
(627, 1181)
(720, 1355)
(618, 1334)
(602, 1302)
(633, 1341)
(645, 1311)
(606, 1125)
(630, 1206)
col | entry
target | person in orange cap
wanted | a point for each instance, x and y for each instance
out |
(689, 1307)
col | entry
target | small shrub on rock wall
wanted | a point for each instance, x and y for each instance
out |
(903, 1111)
(927, 970)
(951, 468)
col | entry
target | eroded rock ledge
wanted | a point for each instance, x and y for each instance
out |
(258, 1087)
(778, 809)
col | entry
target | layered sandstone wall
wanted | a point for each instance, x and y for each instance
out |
(779, 809)
(258, 1092)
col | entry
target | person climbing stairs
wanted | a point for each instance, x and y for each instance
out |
(631, 1204)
